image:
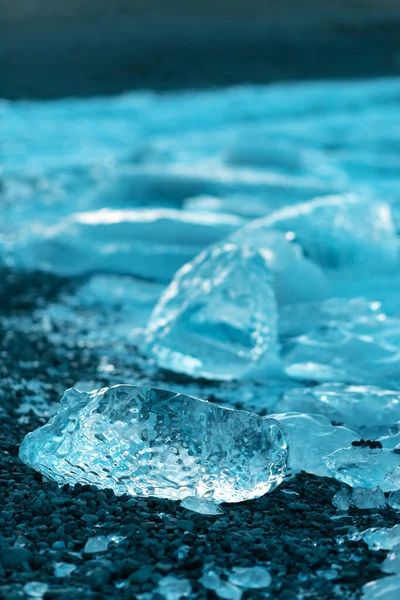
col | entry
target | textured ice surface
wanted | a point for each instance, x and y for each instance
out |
(387, 588)
(149, 243)
(150, 442)
(382, 538)
(365, 467)
(340, 232)
(312, 438)
(361, 408)
(250, 577)
(218, 317)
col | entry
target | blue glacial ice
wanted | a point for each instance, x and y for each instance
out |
(382, 538)
(149, 442)
(218, 317)
(363, 466)
(311, 439)
(366, 409)
(339, 232)
(147, 243)
(387, 588)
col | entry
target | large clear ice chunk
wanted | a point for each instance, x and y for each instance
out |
(218, 317)
(148, 442)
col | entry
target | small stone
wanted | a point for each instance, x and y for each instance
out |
(12, 558)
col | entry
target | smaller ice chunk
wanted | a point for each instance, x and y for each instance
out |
(218, 317)
(340, 232)
(341, 500)
(365, 467)
(391, 564)
(382, 538)
(147, 243)
(311, 439)
(250, 577)
(368, 498)
(35, 589)
(62, 569)
(223, 589)
(201, 506)
(174, 588)
(394, 500)
(387, 588)
(99, 543)
(358, 407)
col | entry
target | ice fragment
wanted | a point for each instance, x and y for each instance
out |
(173, 588)
(150, 442)
(250, 577)
(223, 589)
(99, 543)
(201, 506)
(218, 317)
(365, 467)
(387, 588)
(311, 438)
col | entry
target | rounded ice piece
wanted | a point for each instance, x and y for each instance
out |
(339, 232)
(148, 442)
(218, 317)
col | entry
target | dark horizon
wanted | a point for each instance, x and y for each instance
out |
(89, 48)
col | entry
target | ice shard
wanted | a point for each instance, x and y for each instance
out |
(218, 317)
(148, 442)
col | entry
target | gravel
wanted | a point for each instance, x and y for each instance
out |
(294, 531)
